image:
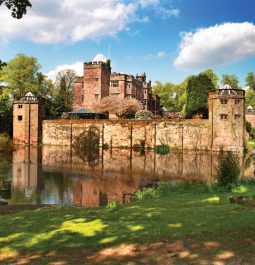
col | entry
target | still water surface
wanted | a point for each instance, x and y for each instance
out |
(55, 175)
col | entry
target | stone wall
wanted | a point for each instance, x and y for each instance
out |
(188, 134)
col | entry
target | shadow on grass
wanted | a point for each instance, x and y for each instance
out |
(179, 228)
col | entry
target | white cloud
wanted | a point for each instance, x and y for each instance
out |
(165, 13)
(54, 21)
(77, 67)
(145, 3)
(100, 57)
(161, 54)
(216, 45)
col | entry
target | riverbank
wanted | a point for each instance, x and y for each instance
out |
(184, 226)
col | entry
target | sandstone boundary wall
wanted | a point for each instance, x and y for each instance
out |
(185, 134)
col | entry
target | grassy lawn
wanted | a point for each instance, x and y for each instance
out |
(180, 227)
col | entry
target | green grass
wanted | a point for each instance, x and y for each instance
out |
(175, 214)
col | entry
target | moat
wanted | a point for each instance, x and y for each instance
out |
(59, 175)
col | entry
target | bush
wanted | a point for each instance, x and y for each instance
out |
(163, 149)
(228, 169)
(149, 193)
(5, 143)
(113, 205)
(144, 115)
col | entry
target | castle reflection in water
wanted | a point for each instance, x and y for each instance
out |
(55, 175)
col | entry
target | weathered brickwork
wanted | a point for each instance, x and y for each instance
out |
(98, 82)
(27, 120)
(94, 85)
(227, 115)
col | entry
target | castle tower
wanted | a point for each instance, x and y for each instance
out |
(227, 117)
(94, 85)
(27, 120)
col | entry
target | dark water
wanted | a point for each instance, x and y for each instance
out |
(56, 175)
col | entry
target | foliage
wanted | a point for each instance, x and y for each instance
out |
(211, 75)
(22, 75)
(228, 169)
(18, 7)
(124, 108)
(113, 205)
(144, 115)
(250, 98)
(250, 129)
(163, 149)
(231, 80)
(149, 193)
(197, 95)
(5, 143)
(64, 83)
(86, 145)
(250, 80)
(172, 96)
(2, 64)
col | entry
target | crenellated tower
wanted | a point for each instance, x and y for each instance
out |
(227, 118)
(93, 85)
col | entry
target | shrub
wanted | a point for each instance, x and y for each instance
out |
(163, 149)
(228, 169)
(149, 193)
(113, 205)
(5, 143)
(144, 115)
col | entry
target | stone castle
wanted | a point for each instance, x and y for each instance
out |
(225, 128)
(98, 82)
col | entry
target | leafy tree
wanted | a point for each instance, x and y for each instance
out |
(21, 75)
(210, 73)
(197, 95)
(124, 108)
(172, 96)
(250, 98)
(65, 85)
(18, 7)
(250, 80)
(231, 80)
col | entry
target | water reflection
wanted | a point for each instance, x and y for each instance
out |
(58, 175)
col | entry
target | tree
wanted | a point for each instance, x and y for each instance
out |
(214, 78)
(197, 95)
(18, 7)
(63, 101)
(250, 80)
(172, 96)
(21, 75)
(124, 108)
(231, 80)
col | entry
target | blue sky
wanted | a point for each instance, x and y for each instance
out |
(168, 40)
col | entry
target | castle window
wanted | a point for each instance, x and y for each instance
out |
(223, 101)
(237, 101)
(96, 79)
(96, 96)
(20, 118)
(223, 116)
(128, 96)
(129, 84)
(115, 83)
(237, 116)
(114, 94)
(20, 106)
(82, 97)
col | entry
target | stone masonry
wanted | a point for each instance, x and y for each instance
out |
(98, 82)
